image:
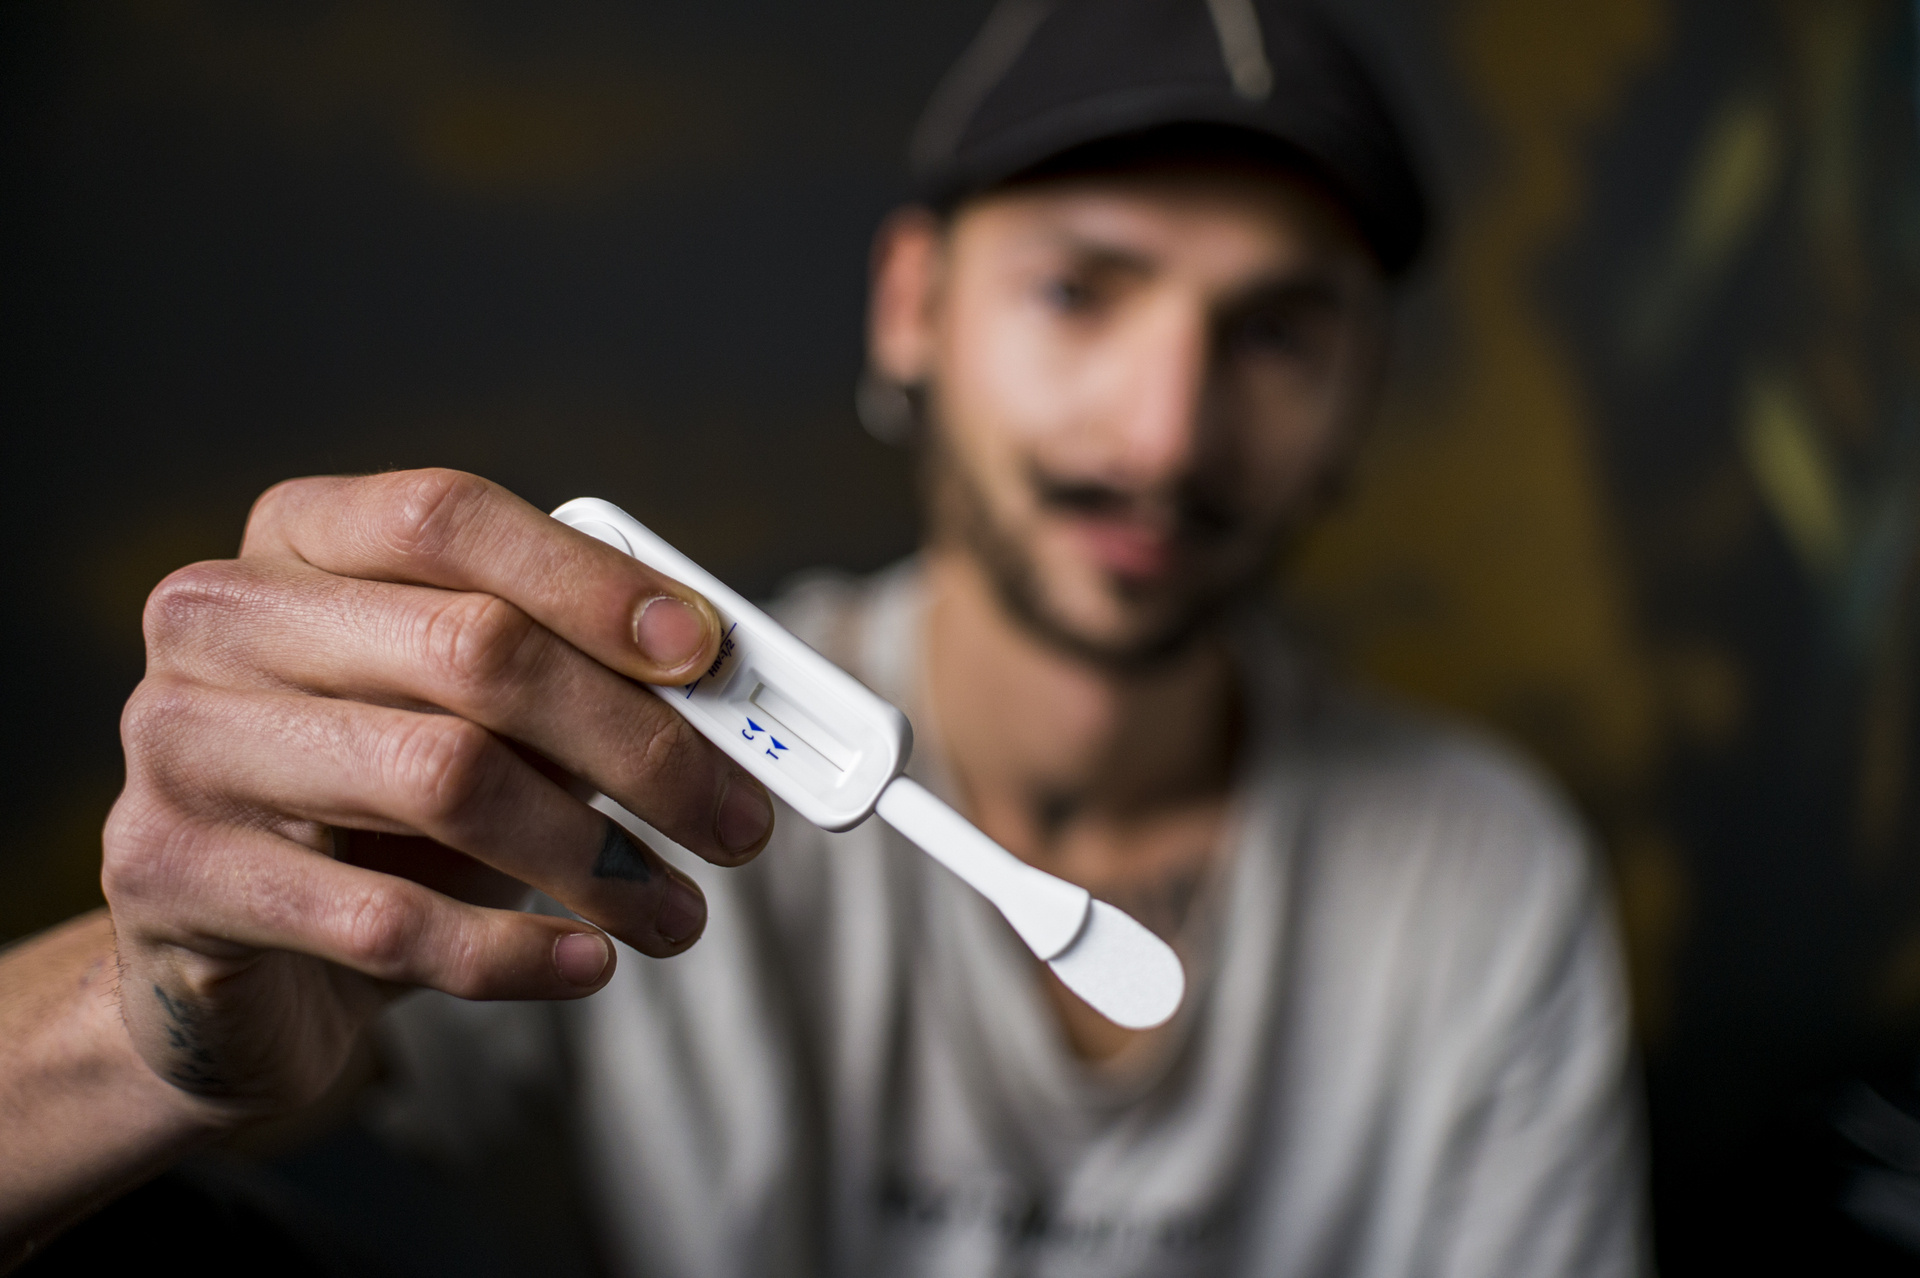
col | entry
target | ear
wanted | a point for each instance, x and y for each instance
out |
(905, 268)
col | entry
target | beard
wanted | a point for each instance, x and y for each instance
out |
(964, 515)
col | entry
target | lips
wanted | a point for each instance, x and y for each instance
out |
(1143, 536)
(1128, 548)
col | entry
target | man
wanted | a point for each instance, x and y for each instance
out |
(1137, 323)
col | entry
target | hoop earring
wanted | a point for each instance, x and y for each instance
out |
(886, 408)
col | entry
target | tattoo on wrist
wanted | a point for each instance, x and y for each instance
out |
(193, 1067)
(620, 858)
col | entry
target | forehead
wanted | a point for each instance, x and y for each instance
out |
(1212, 221)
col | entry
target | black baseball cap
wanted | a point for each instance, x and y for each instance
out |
(1050, 79)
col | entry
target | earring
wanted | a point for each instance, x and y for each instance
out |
(885, 407)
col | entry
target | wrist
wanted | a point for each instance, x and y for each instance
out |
(82, 1117)
(175, 1113)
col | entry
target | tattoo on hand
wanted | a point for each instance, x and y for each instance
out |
(621, 858)
(194, 1069)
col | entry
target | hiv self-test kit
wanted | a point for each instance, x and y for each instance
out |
(834, 751)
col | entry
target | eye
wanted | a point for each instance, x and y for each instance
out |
(1296, 334)
(1277, 332)
(1070, 295)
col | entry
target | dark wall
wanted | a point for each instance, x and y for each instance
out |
(1643, 495)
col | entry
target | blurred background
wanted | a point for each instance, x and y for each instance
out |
(1643, 497)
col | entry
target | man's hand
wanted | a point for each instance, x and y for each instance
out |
(360, 742)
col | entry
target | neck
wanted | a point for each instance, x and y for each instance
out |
(1041, 739)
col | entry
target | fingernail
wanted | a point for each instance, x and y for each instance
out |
(581, 957)
(670, 632)
(683, 912)
(745, 816)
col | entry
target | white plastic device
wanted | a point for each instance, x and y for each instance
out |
(833, 750)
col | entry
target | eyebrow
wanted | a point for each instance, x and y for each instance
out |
(1102, 255)
(1304, 286)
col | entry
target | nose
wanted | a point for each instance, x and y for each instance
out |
(1162, 390)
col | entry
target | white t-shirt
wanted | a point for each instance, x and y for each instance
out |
(1403, 1051)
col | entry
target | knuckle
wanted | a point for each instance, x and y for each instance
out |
(173, 732)
(480, 646)
(136, 833)
(428, 509)
(667, 753)
(382, 928)
(445, 764)
(181, 605)
(153, 717)
(146, 849)
(464, 970)
(270, 506)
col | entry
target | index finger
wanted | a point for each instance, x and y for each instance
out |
(458, 531)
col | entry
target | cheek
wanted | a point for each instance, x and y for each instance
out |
(1283, 446)
(1014, 375)
(988, 417)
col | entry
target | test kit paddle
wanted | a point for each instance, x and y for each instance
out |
(833, 750)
